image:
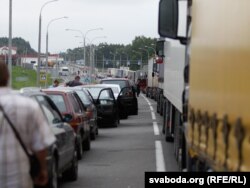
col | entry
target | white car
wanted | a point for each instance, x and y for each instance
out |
(115, 88)
(64, 71)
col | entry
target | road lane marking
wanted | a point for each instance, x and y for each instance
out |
(153, 115)
(160, 163)
(156, 128)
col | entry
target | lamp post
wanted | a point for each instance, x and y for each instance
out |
(93, 54)
(47, 43)
(114, 58)
(39, 42)
(126, 56)
(141, 58)
(149, 47)
(10, 43)
(145, 51)
(84, 39)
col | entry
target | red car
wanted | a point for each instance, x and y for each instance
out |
(68, 102)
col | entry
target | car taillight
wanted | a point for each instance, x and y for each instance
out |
(75, 123)
(89, 112)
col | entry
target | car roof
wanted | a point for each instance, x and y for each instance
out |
(112, 85)
(94, 86)
(29, 89)
(32, 93)
(114, 79)
(58, 89)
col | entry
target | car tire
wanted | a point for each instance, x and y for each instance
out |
(116, 122)
(79, 149)
(72, 173)
(93, 135)
(86, 144)
(53, 179)
(97, 131)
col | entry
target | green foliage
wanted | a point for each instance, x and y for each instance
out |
(23, 47)
(25, 78)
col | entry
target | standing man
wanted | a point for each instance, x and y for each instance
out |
(75, 82)
(27, 117)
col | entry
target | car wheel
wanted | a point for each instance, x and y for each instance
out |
(79, 149)
(53, 180)
(86, 144)
(116, 122)
(93, 135)
(97, 132)
(72, 173)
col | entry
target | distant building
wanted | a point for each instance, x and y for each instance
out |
(33, 59)
(4, 50)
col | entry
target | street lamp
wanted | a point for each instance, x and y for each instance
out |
(47, 43)
(141, 58)
(84, 39)
(93, 52)
(39, 42)
(145, 51)
(151, 48)
(114, 58)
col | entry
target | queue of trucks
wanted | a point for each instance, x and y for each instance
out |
(201, 83)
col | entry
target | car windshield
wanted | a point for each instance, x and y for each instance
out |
(59, 102)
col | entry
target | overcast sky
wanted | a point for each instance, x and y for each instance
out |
(121, 20)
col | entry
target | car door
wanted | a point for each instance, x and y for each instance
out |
(63, 132)
(127, 102)
(106, 103)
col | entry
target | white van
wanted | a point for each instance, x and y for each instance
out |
(64, 71)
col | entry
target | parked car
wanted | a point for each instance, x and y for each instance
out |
(62, 155)
(106, 104)
(90, 108)
(115, 88)
(127, 100)
(68, 102)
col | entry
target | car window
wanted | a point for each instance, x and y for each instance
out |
(52, 116)
(105, 95)
(115, 89)
(94, 92)
(59, 102)
(85, 99)
(75, 103)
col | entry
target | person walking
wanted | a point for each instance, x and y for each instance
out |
(75, 82)
(27, 118)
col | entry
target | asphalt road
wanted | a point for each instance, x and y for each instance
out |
(120, 156)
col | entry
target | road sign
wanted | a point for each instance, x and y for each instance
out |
(43, 77)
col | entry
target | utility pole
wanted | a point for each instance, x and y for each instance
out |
(10, 43)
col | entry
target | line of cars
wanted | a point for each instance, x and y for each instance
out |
(75, 114)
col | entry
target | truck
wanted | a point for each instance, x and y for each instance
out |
(152, 79)
(207, 116)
